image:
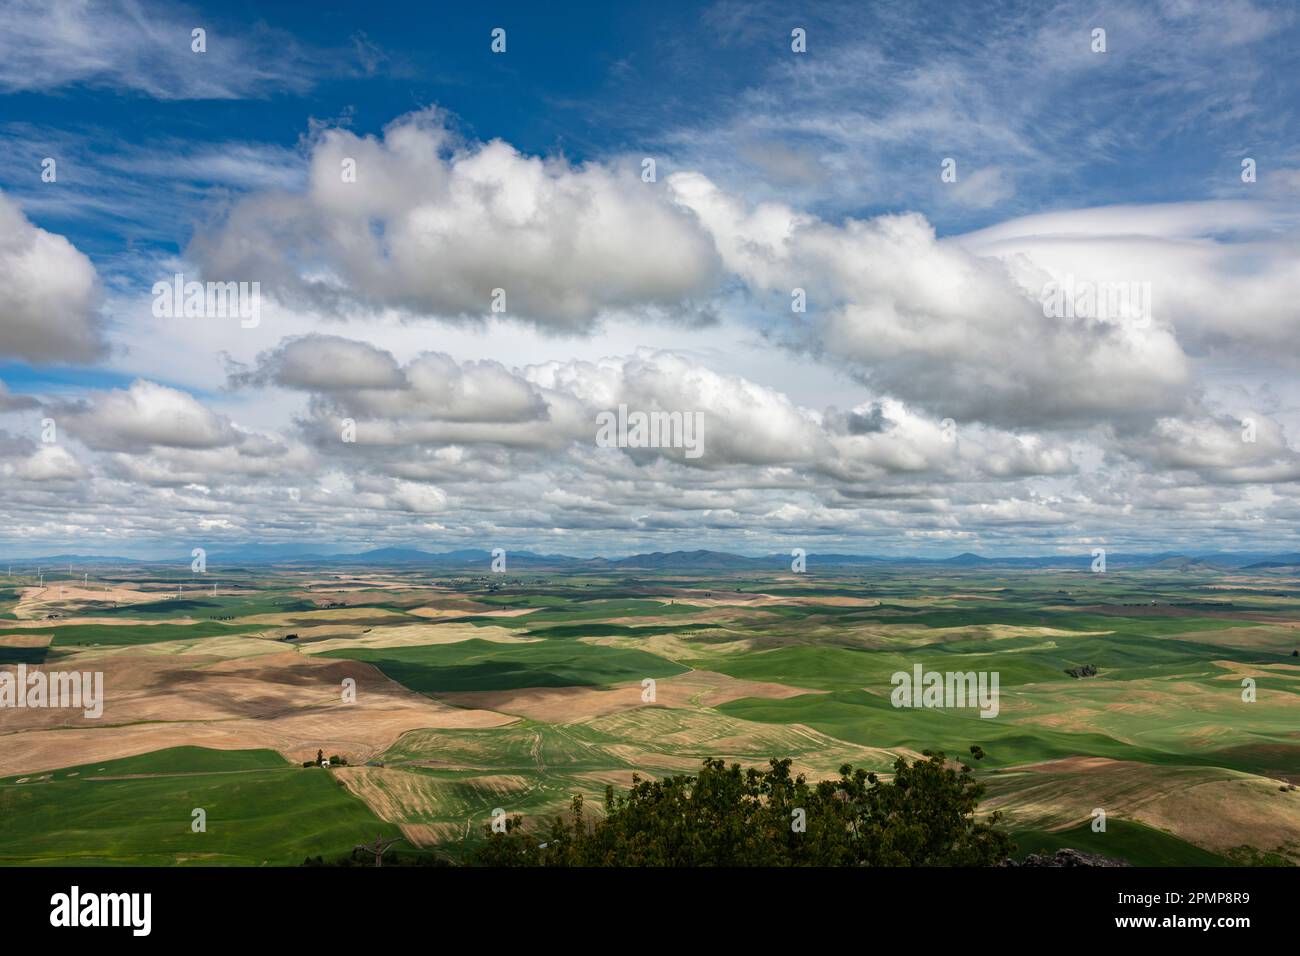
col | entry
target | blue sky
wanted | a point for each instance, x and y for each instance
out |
(1162, 115)
(774, 169)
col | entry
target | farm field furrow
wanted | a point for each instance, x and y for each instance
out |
(1168, 699)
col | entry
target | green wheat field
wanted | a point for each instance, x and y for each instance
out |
(477, 692)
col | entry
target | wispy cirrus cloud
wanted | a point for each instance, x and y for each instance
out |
(1014, 93)
(145, 48)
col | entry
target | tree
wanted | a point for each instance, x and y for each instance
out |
(728, 816)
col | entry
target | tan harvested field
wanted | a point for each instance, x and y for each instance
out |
(487, 611)
(739, 600)
(831, 600)
(25, 640)
(671, 646)
(36, 601)
(707, 616)
(794, 676)
(432, 834)
(291, 618)
(40, 624)
(913, 636)
(414, 635)
(1237, 670)
(232, 645)
(414, 801)
(568, 704)
(78, 619)
(1270, 586)
(395, 795)
(287, 702)
(721, 599)
(1212, 807)
(1172, 611)
(355, 582)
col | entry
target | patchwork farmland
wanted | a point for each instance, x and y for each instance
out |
(441, 697)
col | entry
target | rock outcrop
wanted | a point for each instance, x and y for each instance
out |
(1066, 857)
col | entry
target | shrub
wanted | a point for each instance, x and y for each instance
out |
(726, 816)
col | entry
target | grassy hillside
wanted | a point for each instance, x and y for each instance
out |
(748, 666)
(1132, 842)
(484, 665)
(138, 811)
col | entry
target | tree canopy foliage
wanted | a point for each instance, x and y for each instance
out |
(729, 816)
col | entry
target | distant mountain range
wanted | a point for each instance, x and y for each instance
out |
(702, 560)
(1280, 561)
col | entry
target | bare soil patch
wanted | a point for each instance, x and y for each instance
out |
(415, 635)
(36, 602)
(287, 702)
